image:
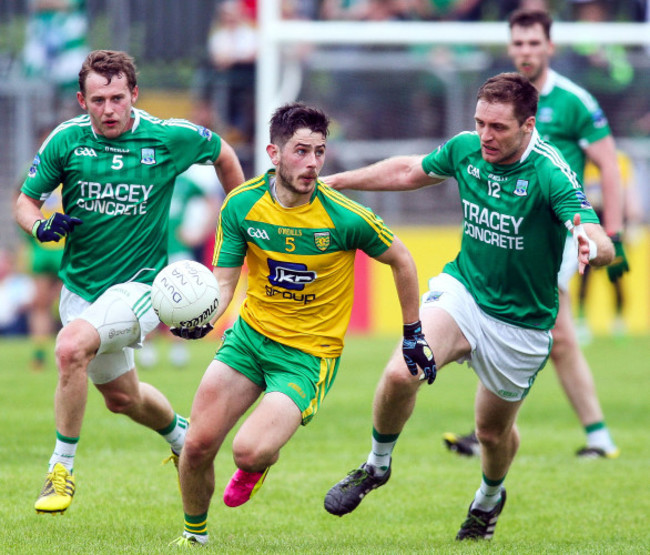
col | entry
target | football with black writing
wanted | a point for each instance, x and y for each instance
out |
(185, 294)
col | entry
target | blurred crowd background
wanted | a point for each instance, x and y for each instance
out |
(197, 59)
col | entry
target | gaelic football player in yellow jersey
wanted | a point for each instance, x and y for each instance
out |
(299, 239)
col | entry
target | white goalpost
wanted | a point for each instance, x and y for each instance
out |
(279, 74)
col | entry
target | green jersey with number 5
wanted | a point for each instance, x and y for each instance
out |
(121, 188)
(514, 226)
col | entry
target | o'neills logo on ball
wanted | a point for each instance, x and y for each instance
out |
(203, 317)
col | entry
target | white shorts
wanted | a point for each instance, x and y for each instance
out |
(122, 316)
(506, 358)
(569, 265)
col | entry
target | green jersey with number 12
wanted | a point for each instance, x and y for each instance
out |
(121, 188)
(514, 226)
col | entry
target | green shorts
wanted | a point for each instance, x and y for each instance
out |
(45, 261)
(304, 378)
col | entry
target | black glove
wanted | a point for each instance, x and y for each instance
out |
(417, 352)
(619, 265)
(54, 228)
(196, 332)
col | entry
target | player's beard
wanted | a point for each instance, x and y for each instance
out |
(287, 183)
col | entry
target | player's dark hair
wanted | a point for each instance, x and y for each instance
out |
(287, 119)
(511, 88)
(528, 18)
(108, 63)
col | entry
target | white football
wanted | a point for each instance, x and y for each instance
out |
(185, 294)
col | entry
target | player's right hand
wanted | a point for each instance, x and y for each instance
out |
(196, 332)
(55, 228)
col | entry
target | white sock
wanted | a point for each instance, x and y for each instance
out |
(64, 453)
(176, 434)
(601, 438)
(487, 496)
(380, 455)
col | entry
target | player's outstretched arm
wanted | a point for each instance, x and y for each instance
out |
(594, 246)
(416, 350)
(228, 278)
(228, 168)
(399, 173)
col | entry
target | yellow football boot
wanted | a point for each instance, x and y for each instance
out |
(57, 491)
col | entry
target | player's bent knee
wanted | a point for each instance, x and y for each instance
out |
(252, 458)
(397, 374)
(78, 340)
(71, 351)
(197, 452)
(119, 402)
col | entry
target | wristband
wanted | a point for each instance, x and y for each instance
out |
(593, 248)
(35, 227)
(412, 329)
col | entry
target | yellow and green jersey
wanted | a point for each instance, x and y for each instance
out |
(121, 189)
(300, 261)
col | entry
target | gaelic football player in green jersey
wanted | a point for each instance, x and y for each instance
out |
(117, 167)
(299, 239)
(495, 304)
(571, 119)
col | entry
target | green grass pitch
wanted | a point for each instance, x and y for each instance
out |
(127, 502)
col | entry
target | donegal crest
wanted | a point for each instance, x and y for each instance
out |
(322, 240)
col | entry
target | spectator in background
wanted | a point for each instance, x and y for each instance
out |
(367, 10)
(56, 46)
(16, 294)
(604, 69)
(450, 10)
(232, 50)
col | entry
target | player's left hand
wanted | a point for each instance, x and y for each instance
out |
(196, 332)
(619, 265)
(586, 246)
(416, 352)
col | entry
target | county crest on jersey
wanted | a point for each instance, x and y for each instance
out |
(300, 261)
